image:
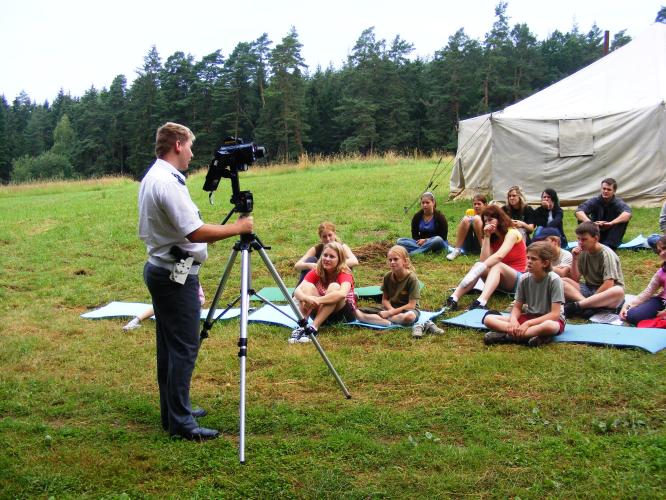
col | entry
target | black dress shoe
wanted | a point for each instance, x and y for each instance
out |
(199, 412)
(198, 434)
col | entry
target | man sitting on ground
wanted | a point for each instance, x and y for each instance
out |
(603, 286)
(563, 258)
(609, 212)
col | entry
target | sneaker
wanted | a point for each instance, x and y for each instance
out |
(571, 309)
(476, 305)
(453, 253)
(619, 307)
(432, 328)
(491, 338)
(132, 325)
(417, 331)
(310, 331)
(539, 341)
(296, 335)
(450, 305)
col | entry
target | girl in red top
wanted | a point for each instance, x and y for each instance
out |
(326, 293)
(503, 260)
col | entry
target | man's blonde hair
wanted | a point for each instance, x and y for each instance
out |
(167, 136)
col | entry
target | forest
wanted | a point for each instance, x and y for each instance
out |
(379, 100)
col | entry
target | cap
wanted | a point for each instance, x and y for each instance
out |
(545, 233)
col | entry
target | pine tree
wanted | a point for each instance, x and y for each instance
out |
(114, 104)
(454, 89)
(65, 142)
(5, 148)
(146, 110)
(497, 82)
(282, 125)
(176, 81)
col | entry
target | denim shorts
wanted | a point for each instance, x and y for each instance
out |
(587, 290)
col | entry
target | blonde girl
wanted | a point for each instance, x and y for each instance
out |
(400, 295)
(326, 293)
(521, 214)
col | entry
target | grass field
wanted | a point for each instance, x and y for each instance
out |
(439, 417)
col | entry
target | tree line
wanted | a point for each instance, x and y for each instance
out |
(380, 99)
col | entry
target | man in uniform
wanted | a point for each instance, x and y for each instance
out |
(176, 239)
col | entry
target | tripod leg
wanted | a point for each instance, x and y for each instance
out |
(278, 280)
(208, 324)
(242, 345)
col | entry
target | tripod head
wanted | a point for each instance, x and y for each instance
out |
(232, 157)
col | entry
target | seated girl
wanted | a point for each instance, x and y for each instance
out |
(649, 304)
(549, 214)
(429, 228)
(503, 260)
(327, 234)
(519, 211)
(537, 314)
(400, 292)
(469, 232)
(326, 293)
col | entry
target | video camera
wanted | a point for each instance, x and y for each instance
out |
(233, 156)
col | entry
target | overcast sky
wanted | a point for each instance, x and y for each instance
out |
(76, 44)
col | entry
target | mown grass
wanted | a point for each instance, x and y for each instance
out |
(440, 417)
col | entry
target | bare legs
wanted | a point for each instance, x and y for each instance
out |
(609, 298)
(322, 311)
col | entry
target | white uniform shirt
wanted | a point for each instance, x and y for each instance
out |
(167, 214)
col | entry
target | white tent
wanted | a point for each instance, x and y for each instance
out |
(606, 120)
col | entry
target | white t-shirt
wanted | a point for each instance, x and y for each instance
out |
(565, 259)
(167, 214)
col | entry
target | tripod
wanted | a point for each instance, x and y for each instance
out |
(245, 245)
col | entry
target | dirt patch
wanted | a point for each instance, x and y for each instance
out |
(372, 251)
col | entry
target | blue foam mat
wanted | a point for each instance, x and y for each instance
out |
(274, 294)
(282, 315)
(423, 317)
(649, 339)
(117, 310)
(132, 309)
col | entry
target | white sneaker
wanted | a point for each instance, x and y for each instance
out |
(299, 336)
(417, 331)
(454, 253)
(132, 325)
(296, 334)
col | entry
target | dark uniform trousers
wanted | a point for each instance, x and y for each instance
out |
(177, 313)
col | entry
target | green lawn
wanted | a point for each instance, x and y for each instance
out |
(440, 417)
